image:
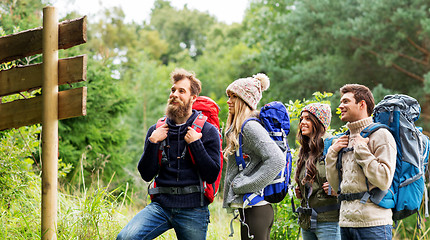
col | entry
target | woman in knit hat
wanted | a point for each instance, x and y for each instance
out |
(264, 159)
(319, 211)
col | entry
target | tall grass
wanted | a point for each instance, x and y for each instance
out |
(99, 213)
(20, 215)
(95, 213)
(92, 215)
(89, 215)
(413, 227)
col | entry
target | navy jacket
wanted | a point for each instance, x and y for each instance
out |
(180, 172)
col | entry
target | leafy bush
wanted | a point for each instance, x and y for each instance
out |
(16, 159)
(89, 214)
(285, 225)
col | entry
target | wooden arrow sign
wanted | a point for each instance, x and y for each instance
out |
(24, 78)
(28, 43)
(24, 112)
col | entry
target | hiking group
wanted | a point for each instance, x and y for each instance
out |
(351, 185)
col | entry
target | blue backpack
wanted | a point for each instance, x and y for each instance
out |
(275, 119)
(397, 113)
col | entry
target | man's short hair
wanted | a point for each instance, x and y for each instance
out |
(180, 73)
(360, 92)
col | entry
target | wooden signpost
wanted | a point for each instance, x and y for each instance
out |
(52, 105)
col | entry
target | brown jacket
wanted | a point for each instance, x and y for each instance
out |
(318, 197)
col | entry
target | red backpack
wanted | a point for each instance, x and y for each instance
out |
(209, 111)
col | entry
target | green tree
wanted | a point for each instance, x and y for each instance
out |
(225, 59)
(182, 29)
(98, 138)
(325, 44)
(23, 14)
(267, 30)
(149, 84)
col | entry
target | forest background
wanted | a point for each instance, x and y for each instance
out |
(308, 48)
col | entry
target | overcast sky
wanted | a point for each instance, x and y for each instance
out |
(227, 11)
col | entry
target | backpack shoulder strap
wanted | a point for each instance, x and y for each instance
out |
(197, 125)
(247, 120)
(239, 154)
(327, 143)
(339, 159)
(199, 122)
(161, 122)
(373, 127)
(161, 153)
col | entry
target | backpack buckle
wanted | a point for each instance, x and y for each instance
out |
(174, 190)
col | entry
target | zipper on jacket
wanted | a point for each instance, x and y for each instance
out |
(178, 156)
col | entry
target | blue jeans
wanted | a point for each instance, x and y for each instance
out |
(325, 230)
(367, 233)
(154, 220)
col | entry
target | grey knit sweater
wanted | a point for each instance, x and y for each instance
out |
(264, 163)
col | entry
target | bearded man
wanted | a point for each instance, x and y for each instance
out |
(178, 158)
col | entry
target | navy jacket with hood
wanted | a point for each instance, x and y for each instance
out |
(180, 172)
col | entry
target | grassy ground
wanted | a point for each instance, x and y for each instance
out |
(96, 213)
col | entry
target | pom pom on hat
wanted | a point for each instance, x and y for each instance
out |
(250, 89)
(265, 82)
(321, 111)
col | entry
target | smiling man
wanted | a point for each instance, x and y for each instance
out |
(180, 159)
(367, 163)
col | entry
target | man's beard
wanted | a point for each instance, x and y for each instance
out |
(178, 110)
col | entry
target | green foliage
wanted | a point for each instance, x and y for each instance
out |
(90, 215)
(99, 135)
(285, 225)
(23, 14)
(20, 183)
(427, 83)
(321, 45)
(183, 29)
(266, 23)
(20, 215)
(150, 85)
(7, 65)
(16, 159)
(379, 92)
(93, 214)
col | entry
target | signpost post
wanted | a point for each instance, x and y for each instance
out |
(49, 123)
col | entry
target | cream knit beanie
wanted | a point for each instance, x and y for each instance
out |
(250, 89)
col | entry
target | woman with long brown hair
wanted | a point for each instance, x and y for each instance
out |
(319, 211)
